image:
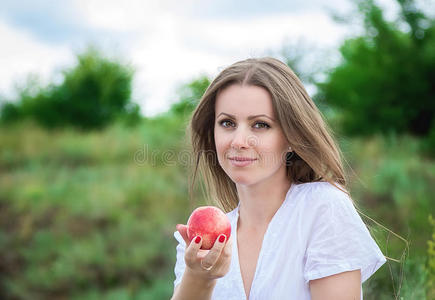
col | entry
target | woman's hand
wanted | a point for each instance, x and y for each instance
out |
(206, 264)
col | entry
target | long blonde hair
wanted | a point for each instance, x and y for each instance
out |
(316, 156)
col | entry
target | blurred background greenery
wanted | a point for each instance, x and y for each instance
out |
(91, 191)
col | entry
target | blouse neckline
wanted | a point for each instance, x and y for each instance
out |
(263, 249)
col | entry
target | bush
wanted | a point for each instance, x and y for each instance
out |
(431, 261)
(384, 82)
(93, 94)
(9, 112)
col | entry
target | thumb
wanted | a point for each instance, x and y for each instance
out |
(182, 229)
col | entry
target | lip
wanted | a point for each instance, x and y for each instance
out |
(240, 158)
(241, 161)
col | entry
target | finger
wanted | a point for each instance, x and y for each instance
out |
(192, 250)
(224, 259)
(212, 257)
(228, 248)
(182, 229)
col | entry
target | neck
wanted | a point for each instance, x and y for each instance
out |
(259, 203)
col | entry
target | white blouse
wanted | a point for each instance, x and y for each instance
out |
(316, 232)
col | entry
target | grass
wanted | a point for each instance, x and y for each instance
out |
(90, 215)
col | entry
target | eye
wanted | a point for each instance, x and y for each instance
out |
(262, 125)
(224, 121)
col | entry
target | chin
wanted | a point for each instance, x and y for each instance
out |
(243, 180)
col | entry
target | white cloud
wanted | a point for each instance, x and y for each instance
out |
(234, 36)
(130, 16)
(179, 48)
(21, 54)
(166, 43)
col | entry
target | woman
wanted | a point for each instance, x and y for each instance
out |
(270, 161)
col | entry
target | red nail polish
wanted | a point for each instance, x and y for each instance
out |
(198, 239)
(221, 238)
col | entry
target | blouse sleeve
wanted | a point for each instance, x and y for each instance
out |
(179, 264)
(339, 241)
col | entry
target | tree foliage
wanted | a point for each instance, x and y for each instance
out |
(190, 94)
(93, 93)
(386, 80)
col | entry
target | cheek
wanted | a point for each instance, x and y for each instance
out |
(272, 152)
(219, 150)
(221, 145)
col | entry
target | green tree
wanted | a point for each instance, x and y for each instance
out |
(385, 82)
(190, 94)
(93, 93)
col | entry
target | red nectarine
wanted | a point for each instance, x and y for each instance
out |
(208, 222)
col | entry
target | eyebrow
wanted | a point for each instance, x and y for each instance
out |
(249, 118)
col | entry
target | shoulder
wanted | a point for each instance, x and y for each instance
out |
(321, 193)
(324, 200)
(337, 239)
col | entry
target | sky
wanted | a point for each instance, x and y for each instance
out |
(168, 42)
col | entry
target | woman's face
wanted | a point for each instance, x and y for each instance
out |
(245, 127)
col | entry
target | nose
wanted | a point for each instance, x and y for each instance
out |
(242, 138)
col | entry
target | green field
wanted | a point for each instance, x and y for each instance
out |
(92, 215)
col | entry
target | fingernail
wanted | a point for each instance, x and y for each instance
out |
(198, 239)
(222, 238)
